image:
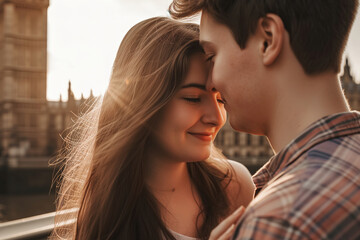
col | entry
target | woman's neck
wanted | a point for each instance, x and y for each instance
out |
(165, 175)
(170, 183)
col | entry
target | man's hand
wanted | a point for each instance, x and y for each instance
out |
(226, 228)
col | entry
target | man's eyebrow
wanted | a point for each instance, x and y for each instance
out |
(195, 85)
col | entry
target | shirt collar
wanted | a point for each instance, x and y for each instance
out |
(336, 125)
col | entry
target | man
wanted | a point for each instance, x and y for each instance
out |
(276, 65)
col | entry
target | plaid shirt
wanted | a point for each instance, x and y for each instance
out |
(311, 189)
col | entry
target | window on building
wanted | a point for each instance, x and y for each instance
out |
(261, 140)
(236, 139)
(248, 139)
(33, 120)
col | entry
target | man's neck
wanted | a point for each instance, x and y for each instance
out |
(309, 99)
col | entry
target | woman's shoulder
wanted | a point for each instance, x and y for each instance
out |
(239, 168)
(241, 188)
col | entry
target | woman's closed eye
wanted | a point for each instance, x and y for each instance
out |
(192, 99)
(197, 100)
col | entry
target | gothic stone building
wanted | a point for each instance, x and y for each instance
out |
(23, 105)
(29, 124)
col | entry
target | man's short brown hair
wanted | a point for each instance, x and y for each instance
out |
(318, 29)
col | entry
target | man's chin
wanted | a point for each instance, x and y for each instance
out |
(238, 125)
(235, 124)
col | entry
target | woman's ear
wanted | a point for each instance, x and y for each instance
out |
(271, 30)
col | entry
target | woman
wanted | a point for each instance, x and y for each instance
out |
(141, 164)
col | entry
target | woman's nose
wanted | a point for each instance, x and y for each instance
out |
(213, 113)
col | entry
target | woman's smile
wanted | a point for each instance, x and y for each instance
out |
(204, 136)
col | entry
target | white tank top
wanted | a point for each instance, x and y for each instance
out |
(179, 236)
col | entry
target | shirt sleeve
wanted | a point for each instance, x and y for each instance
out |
(267, 228)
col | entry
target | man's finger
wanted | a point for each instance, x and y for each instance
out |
(228, 233)
(224, 225)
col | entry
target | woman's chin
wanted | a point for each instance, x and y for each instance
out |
(200, 157)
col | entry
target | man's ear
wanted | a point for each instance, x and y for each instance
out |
(271, 30)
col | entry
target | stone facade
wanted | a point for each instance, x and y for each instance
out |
(251, 150)
(29, 124)
(351, 87)
(23, 63)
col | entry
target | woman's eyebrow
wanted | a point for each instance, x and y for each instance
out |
(195, 85)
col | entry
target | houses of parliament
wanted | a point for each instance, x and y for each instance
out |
(30, 126)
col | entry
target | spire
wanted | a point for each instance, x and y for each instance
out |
(347, 78)
(347, 72)
(60, 100)
(70, 93)
(347, 67)
(71, 99)
(91, 93)
(69, 90)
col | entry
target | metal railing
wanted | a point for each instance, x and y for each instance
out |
(36, 227)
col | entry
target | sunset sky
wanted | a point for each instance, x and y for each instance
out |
(84, 35)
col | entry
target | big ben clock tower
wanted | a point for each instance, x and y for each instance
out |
(23, 65)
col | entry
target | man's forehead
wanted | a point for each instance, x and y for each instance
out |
(204, 20)
(205, 29)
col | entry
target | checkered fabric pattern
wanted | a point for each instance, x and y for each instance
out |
(311, 189)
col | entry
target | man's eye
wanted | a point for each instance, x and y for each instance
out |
(192, 100)
(209, 58)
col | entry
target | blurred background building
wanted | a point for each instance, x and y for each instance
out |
(30, 126)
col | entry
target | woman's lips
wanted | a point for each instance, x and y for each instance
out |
(207, 137)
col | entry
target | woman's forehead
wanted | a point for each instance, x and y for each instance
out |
(198, 70)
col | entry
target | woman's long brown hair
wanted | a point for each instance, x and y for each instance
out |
(103, 175)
